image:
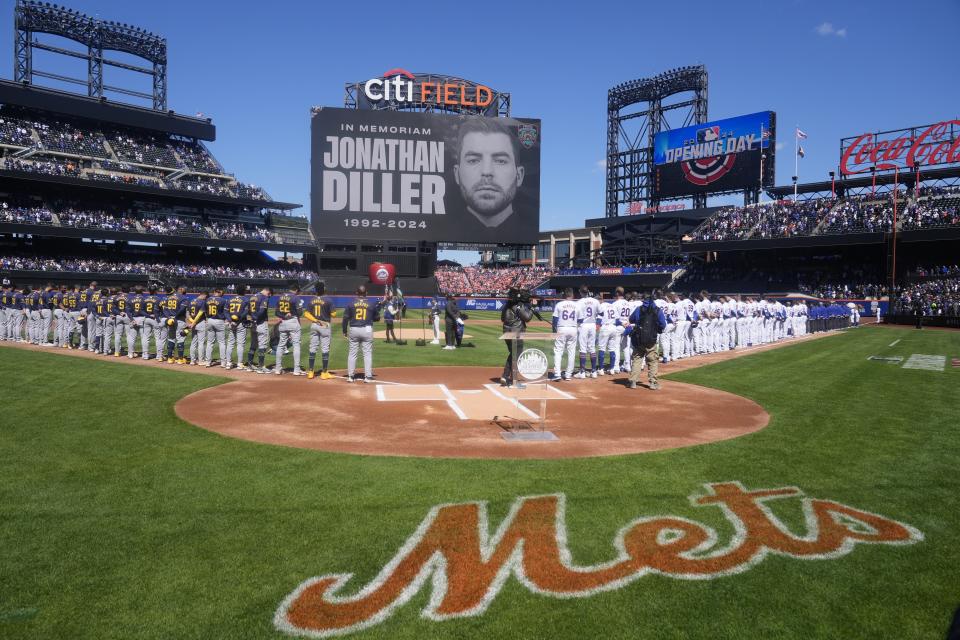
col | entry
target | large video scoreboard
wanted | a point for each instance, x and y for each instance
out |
(723, 155)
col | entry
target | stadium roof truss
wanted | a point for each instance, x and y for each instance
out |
(630, 134)
(32, 17)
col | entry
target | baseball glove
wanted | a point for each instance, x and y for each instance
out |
(171, 322)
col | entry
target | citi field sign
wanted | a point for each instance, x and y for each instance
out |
(936, 144)
(399, 85)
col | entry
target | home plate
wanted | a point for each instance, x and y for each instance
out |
(529, 436)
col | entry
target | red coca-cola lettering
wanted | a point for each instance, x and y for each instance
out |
(931, 147)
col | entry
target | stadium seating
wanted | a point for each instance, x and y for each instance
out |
(126, 156)
(482, 281)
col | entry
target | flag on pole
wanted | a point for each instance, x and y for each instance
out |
(801, 135)
(801, 152)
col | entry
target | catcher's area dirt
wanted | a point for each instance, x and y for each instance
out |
(449, 411)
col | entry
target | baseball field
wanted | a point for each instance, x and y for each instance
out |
(839, 518)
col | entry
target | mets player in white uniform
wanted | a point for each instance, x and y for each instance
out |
(587, 310)
(669, 309)
(565, 326)
(623, 311)
(608, 341)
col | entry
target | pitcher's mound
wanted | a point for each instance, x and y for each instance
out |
(461, 412)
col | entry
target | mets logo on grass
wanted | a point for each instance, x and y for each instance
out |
(453, 555)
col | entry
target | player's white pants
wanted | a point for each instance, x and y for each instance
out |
(566, 340)
(623, 345)
(666, 342)
(679, 337)
(609, 340)
(587, 338)
(436, 328)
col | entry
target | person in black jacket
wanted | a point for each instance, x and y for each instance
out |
(516, 314)
(646, 324)
(450, 314)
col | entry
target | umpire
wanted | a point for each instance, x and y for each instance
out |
(358, 319)
(647, 322)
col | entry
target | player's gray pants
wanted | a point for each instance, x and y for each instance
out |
(18, 318)
(4, 324)
(150, 329)
(236, 341)
(261, 336)
(198, 342)
(173, 336)
(46, 319)
(216, 331)
(319, 337)
(361, 339)
(93, 330)
(73, 325)
(58, 326)
(106, 344)
(86, 331)
(33, 329)
(121, 329)
(289, 332)
(100, 333)
(134, 333)
(566, 340)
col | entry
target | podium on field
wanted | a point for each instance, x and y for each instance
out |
(535, 387)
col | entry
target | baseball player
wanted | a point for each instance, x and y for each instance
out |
(5, 299)
(215, 312)
(109, 298)
(173, 322)
(19, 313)
(151, 324)
(289, 309)
(587, 310)
(34, 302)
(608, 341)
(435, 320)
(136, 325)
(71, 305)
(319, 311)
(93, 294)
(669, 310)
(197, 326)
(258, 306)
(46, 315)
(565, 326)
(121, 320)
(358, 319)
(621, 308)
(236, 326)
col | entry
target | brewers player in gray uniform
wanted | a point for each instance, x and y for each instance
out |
(358, 319)
(289, 310)
(236, 326)
(258, 309)
(197, 324)
(216, 328)
(173, 322)
(319, 311)
(151, 324)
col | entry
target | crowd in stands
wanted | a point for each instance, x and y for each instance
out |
(131, 148)
(732, 223)
(788, 219)
(483, 281)
(931, 213)
(936, 297)
(865, 214)
(842, 281)
(938, 271)
(70, 216)
(77, 264)
(173, 225)
(237, 231)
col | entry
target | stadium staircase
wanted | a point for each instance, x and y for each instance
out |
(139, 227)
(823, 223)
(110, 152)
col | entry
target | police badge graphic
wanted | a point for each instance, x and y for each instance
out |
(527, 133)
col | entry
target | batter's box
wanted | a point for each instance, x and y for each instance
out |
(484, 404)
(926, 362)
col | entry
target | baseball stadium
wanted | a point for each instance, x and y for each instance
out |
(451, 382)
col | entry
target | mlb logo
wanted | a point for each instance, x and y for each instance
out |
(708, 135)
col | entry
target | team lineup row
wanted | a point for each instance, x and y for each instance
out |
(122, 321)
(694, 324)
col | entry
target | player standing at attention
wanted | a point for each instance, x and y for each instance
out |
(587, 310)
(565, 326)
(258, 307)
(607, 338)
(151, 327)
(173, 322)
(135, 328)
(435, 320)
(319, 311)
(289, 310)
(621, 307)
(216, 328)
(358, 319)
(236, 326)
(197, 324)
(100, 317)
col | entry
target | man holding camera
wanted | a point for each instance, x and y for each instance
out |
(519, 310)
(647, 322)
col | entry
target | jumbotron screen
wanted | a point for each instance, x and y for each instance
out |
(424, 176)
(722, 155)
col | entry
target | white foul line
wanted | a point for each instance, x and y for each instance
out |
(452, 402)
(380, 394)
(562, 394)
(894, 342)
(515, 401)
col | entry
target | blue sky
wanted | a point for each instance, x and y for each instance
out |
(835, 68)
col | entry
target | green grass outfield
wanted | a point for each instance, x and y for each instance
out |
(118, 520)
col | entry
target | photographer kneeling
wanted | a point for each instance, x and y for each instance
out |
(519, 310)
(647, 322)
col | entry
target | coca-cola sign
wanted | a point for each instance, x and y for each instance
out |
(937, 144)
